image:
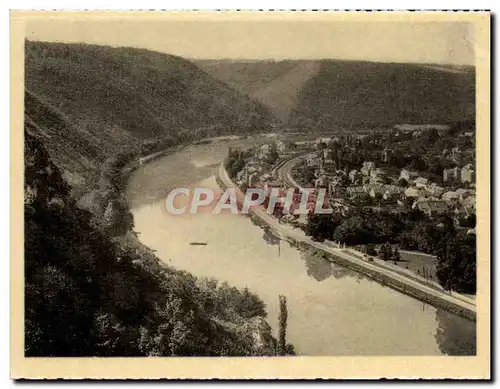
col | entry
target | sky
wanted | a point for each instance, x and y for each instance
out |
(421, 42)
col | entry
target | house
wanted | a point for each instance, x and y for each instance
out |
(266, 148)
(281, 146)
(432, 207)
(355, 191)
(328, 165)
(413, 192)
(367, 168)
(450, 174)
(377, 172)
(471, 231)
(334, 139)
(450, 197)
(377, 180)
(335, 188)
(469, 205)
(270, 184)
(253, 166)
(265, 151)
(241, 175)
(341, 173)
(392, 192)
(408, 175)
(354, 176)
(467, 173)
(420, 182)
(463, 193)
(321, 182)
(328, 154)
(320, 143)
(253, 179)
(386, 155)
(373, 190)
(435, 190)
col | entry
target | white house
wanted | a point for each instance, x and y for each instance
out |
(354, 176)
(408, 175)
(421, 182)
(393, 192)
(367, 168)
(467, 173)
(451, 197)
(435, 190)
(413, 192)
(463, 193)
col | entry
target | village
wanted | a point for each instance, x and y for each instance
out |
(377, 186)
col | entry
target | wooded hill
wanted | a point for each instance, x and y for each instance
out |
(87, 294)
(91, 102)
(330, 95)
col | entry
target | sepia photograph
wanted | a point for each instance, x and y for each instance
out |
(278, 186)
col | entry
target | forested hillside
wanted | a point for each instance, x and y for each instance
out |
(87, 294)
(328, 95)
(91, 102)
(355, 95)
(275, 84)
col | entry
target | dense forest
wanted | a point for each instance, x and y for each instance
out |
(90, 103)
(89, 294)
(356, 95)
(332, 95)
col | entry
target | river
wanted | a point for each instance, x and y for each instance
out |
(331, 310)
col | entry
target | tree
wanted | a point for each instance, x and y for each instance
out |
(403, 183)
(396, 257)
(89, 295)
(456, 267)
(320, 226)
(469, 221)
(283, 317)
(385, 252)
(117, 218)
(352, 231)
(370, 249)
(273, 154)
(309, 175)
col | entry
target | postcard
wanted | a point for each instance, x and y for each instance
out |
(250, 195)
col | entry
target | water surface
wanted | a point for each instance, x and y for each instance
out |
(331, 310)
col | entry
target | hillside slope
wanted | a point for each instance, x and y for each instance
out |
(90, 102)
(355, 94)
(87, 294)
(273, 83)
(325, 95)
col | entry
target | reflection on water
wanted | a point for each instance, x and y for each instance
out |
(320, 267)
(455, 336)
(332, 310)
(269, 237)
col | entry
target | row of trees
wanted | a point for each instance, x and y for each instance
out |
(235, 161)
(386, 253)
(411, 231)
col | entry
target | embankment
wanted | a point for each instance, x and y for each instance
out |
(385, 277)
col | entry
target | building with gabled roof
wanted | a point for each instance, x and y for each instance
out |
(432, 207)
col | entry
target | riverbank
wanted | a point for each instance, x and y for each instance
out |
(385, 277)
